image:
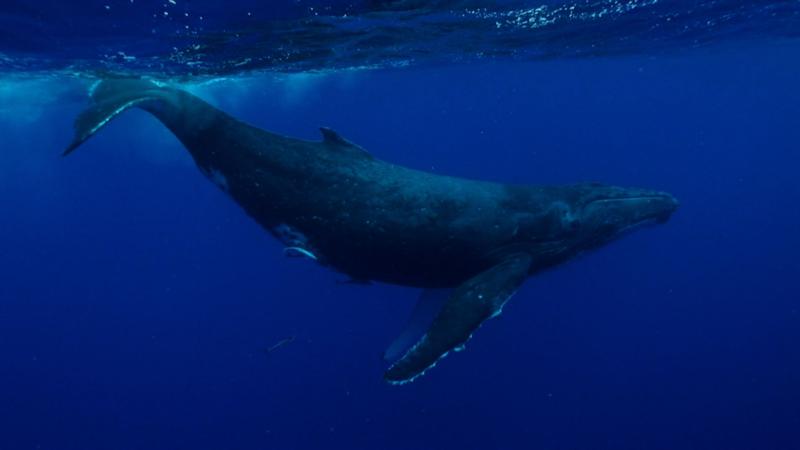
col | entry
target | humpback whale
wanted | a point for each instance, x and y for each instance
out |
(469, 244)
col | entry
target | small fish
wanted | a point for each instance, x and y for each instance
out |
(279, 344)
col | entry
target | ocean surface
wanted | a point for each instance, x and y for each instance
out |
(140, 308)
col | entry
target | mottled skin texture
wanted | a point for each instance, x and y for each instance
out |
(373, 220)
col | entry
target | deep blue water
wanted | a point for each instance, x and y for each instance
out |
(136, 299)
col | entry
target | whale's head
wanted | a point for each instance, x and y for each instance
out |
(602, 213)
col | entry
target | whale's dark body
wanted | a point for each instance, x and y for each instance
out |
(371, 220)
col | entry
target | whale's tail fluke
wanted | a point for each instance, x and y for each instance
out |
(109, 98)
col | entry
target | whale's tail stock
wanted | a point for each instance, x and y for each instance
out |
(108, 99)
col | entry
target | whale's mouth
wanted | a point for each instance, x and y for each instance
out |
(634, 199)
(619, 213)
(643, 208)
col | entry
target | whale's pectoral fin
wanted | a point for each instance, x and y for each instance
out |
(110, 98)
(479, 298)
(428, 305)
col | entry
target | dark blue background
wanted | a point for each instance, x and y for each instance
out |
(137, 299)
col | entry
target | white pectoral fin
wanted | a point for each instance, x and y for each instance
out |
(479, 298)
(299, 252)
(428, 305)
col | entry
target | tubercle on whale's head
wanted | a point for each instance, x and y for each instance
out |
(602, 213)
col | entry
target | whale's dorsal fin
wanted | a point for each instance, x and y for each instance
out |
(331, 137)
(477, 299)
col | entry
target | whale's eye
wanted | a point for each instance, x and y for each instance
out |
(569, 220)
